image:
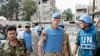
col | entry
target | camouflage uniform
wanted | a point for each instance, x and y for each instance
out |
(19, 50)
(97, 53)
(66, 45)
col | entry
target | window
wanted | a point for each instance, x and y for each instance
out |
(39, 3)
(44, 1)
(77, 17)
(7, 0)
(81, 10)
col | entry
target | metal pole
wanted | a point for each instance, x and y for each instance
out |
(93, 9)
(41, 13)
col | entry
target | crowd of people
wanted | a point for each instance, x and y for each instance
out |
(52, 40)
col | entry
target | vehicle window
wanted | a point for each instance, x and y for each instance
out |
(2, 36)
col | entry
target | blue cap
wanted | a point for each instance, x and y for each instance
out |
(56, 16)
(38, 28)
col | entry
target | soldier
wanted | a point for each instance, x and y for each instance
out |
(53, 40)
(97, 53)
(38, 29)
(86, 40)
(13, 46)
(31, 39)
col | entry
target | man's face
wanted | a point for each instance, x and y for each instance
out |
(98, 24)
(11, 35)
(56, 22)
(82, 25)
(27, 28)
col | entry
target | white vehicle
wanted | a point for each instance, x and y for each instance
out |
(22, 29)
(2, 18)
(2, 38)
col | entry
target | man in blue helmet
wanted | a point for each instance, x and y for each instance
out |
(38, 29)
(86, 40)
(53, 40)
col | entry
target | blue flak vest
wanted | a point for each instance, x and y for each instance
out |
(88, 41)
(28, 40)
(54, 40)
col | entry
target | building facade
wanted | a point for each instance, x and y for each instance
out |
(81, 10)
(45, 10)
(88, 9)
(96, 10)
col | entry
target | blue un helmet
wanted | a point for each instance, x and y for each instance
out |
(38, 28)
(61, 25)
(86, 19)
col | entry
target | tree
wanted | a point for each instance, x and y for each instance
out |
(67, 15)
(13, 7)
(3, 11)
(29, 9)
(9, 9)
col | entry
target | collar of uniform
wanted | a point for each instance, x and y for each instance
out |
(7, 41)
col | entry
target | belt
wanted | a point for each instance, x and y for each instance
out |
(52, 53)
(30, 50)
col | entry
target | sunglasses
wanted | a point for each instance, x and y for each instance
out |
(27, 26)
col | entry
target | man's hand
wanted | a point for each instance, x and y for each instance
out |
(74, 53)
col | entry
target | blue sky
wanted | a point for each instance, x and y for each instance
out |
(64, 4)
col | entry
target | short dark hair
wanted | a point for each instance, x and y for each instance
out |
(88, 23)
(10, 28)
(19, 26)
